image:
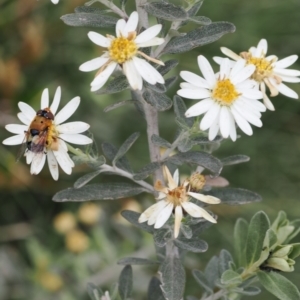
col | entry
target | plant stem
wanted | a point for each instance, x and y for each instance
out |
(143, 16)
(112, 6)
(216, 295)
(174, 145)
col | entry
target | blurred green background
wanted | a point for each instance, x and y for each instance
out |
(37, 50)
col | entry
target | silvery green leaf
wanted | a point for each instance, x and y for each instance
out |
(100, 191)
(117, 105)
(170, 81)
(198, 158)
(158, 87)
(199, 227)
(90, 9)
(165, 11)
(191, 298)
(94, 292)
(270, 239)
(110, 151)
(137, 103)
(80, 182)
(296, 251)
(225, 261)
(172, 278)
(234, 159)
(257, 229)
(240, 239)
(212, 271)
(235, 196)
(200, 20)
(185, 144)
(146, 171)
(230, 277)
(192, 12)
(182, 123)
(133, 217)
(161, 236)
(248, 291)
(180, 109)
(125, 283)
(203, 140)
(198, 37)
(125, 147)
(176, 33)
(168, 66)
(116, 85)
(278, 285)
(136, 261)
(160, 101)
(123, 3)
(193, 245)
(90, 20)
(154, 290)
(159, 141)
(186, 231)
(201, 279)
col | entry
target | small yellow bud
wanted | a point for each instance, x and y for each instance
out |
(50, 281)
(196, 182)
(89, 213)
(64, 222)
(77, 241)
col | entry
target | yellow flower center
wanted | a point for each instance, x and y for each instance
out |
(263, 68)
(177, 195)
(225, 92)
(123, 49)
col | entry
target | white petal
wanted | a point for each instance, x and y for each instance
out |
(73, 127)
(103, 76)
(232, 130)
(207, 70)
(27, 110)
(286, 62)
(218, 59)
(119, 28)
(194, 79)
(198, 93)
(163, 216)
(77, 138)
(153, 42)
(99, 39)
(210, 116)
(189, 86)
(153, 209)
(45, 99)
(63, 159)
(214, 129)
(56, 100)
(172, 184)
(285, 90)
(250, 93)
(148, 34)
(242, 75)
(224, 69)
(230, 53)
(52, 164)
(250, 105)
(289, 79)
(238, 66)
(178, 218)
(225, 115)
(54, 1)
(205, 198)
(67, 111)
(176, 177)
(241, 122)
(93, 64)
(148, 73)
(197, 212)
(286, 72)
(132, 22)
(16, 128)
(133, 76)
(24, 119)
(153, 217)
(262, 48)
(62, 145)
(14, 140)
(37, 163)
(247, 115)
(267, 102)
(29, 156)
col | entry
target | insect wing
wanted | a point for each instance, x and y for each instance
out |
(38, 142)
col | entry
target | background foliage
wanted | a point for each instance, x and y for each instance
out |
(36, 51)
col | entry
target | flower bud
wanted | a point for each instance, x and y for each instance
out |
(50, 281)
(64, 222)
(89, 213)
(77, 241)
(196, 182)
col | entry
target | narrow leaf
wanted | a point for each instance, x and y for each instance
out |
(117, 105)
(136, 261)
(158, 87)
(125, 282)
(133, 217)
(278, 285)
(161, 236)
(200, 20)
(116, 85)
(180, 109)
(230, 277)
(212, 271)
(94, 292)
(154, 290)
(248, 291)
(170, 82)
(225, 260)
(240, 239)
(169, 65)
(160, 101)
(235, 159)
(146, 171)
(80, 182)
(193, 245)
(201, 279)
(101, 191)
(159, 141)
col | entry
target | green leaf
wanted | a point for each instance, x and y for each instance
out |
(186, 231)
(186, 144)
(198, 37)
(296, 251)
(170, 82)
(192, 11)
(154, 290)
(116, 85)
(203, 140)
(161, 236)
(159, 141)
(160, 101)
(133, 217)
(100, 191)
(117, 105)
(257, 229)
(158, 87)
(89, 20)
(225, 260)
(125, 147)
(169, 65)
(110, 151)
(136, 261)
(278, 285)
(144, 172)
(235, 159)
(240, 239)
(89, 9)
(172, 278)
(180, 109)
(212, 271)
(165, 11)
(125, 282)
(80, 182)
(235, 196)
(248, 291)
(94, 292)
(200, 20)
(198, 158)
(230, 277)
(193, 245)
(201, 279)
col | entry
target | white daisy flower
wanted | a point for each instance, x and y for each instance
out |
(45, 135)
(175, 198)
(227, 97)
(269, 71)
(123, 50)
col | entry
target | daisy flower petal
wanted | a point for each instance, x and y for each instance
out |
(56, 100)
(27, 110)
(67, 111)
(93, 64)
(206, 70)
(132, 22)
(163, 216)
(133, 76)
(45, 99)
(286, 62)
(14, 140)
(76, 138)
(73, 127)
(16, 128)
(99, 39)
(148, 34)
(52, 164)
(178, 218)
